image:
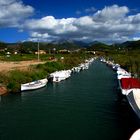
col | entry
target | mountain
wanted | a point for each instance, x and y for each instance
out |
(73, 42)
(98, 46)
(131, 44)
(33, 46)
(67, 45)
(70, 45)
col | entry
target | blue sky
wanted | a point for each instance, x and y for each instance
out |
(84, 20)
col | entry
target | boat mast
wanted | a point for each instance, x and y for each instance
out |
(38, 51)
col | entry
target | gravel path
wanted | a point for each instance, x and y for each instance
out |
(23, 65)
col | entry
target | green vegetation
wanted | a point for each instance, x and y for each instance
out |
(130, 60)
(31, 47)
(126, 54)
(2, 45)
(100, 47)
(14, 79)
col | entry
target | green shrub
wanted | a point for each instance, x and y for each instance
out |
(13, 86)
(15, 78)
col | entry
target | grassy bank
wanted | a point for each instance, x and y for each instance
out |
(25, 57)
(130, 60)
(13, 79)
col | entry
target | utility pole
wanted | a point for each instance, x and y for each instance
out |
(38, 51)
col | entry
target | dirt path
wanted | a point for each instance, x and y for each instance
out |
(22, 65)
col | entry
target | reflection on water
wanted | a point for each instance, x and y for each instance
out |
(10, 99)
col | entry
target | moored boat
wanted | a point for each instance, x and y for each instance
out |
(130, 88)
(59, 76)
(34, 85)
(134, 100)
(129, 84)
(135, 135)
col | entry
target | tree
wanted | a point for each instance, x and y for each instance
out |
(3, 45)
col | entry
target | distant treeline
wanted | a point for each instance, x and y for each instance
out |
(28, 47)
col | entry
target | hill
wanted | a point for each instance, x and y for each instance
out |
(131, 45)
(33, 46)
(98, 46)
(69, 45)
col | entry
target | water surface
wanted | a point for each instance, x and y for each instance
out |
(84, 107)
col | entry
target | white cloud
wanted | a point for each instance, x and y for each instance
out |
(90, 10)
(111, 13)
(48, 22)
(84, 21)
(51, 25)
(136, 38)
(112, 23)
(35, 36)
(13, 11)
(6, 2)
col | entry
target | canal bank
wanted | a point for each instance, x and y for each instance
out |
(84, 107)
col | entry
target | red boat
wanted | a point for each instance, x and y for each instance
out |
(131, 86)
(130, 83)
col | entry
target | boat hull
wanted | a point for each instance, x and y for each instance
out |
(34, 85)
(133, 103)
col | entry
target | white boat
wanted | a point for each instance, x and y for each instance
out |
(120, 76)
(136, 135)
(34, 85)
(76, 69)
(59, 75)
(115, 67)
(134, 100)
(83, 66)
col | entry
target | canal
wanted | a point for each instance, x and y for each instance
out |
(84, 107)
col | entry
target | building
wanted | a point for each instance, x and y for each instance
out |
(40, 52)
